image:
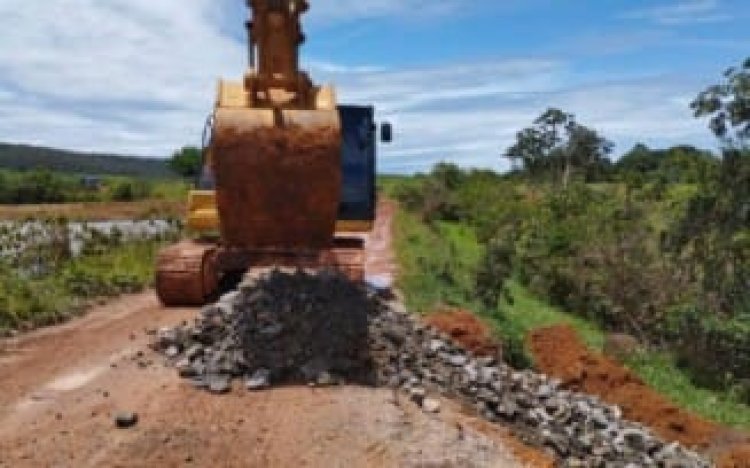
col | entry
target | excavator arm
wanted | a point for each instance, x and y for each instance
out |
(275, 79)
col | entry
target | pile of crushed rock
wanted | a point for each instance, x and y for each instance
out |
(321, 329)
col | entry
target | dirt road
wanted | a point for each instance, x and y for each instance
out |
(60, 389)
(381, 261)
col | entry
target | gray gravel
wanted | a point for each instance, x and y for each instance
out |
(321, 329)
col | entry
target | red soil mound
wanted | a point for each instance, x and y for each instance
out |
(738, 457)
(559, 352)
(467, 330)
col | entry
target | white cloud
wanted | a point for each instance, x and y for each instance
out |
(653, 110)
(469, 113)
(138, 77)
(682, 12)
(121, 75)
(348, 10)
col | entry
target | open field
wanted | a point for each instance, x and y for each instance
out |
(99, 211)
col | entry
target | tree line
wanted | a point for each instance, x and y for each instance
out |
(556, 147)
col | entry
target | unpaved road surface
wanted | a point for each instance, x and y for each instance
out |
(380, 263)
(61, 387)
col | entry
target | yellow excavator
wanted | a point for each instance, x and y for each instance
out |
(289, 174)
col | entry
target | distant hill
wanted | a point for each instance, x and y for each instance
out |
(26, 157)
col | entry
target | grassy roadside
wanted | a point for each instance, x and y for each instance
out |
(29, 301)
(447, 256)
(437, 267)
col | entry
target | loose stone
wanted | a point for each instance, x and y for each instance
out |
(126, 420)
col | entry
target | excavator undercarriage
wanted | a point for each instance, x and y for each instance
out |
(190, 273)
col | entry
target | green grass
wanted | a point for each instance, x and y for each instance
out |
(170, 189)
(528, 313)
(447, 252)
(660, 371)
(27, 302)
(389, 185)
(437, 267)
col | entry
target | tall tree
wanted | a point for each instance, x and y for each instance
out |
(529, 149)
(556, 144)
(728, 105)
(585, 149)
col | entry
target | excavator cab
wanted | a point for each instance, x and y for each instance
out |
(289, 176)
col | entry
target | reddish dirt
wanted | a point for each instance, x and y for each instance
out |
(62, 386)
(66, 383)
(523, 453)
(468, 330)
(560, 353)
(381, 265)
(738, 457)
(277, 188)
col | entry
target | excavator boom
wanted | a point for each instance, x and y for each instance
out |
(275, 31)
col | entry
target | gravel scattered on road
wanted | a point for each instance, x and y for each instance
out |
(282, 327)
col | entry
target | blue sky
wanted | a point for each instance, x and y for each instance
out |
(457, 78)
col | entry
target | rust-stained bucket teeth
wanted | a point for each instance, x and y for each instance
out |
(278, 177)
(186, 274)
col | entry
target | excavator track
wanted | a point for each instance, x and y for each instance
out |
(186, 274)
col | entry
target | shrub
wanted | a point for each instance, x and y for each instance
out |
(126, 191)
(495, 268)
(630, 256)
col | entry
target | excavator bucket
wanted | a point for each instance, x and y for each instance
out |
(278, 183)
